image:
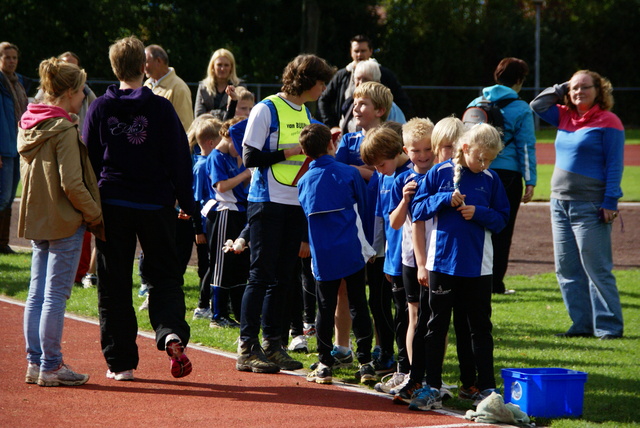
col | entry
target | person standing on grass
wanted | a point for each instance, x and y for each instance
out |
(60, 200)
(276, 221)
(585, 188)
(140, 153)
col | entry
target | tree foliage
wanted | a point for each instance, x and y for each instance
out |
(426, 42)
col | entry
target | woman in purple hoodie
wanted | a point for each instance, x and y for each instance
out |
(60, 200)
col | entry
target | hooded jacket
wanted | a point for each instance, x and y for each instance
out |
(139, 150)
(59, 188)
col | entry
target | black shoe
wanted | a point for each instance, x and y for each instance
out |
(610, 337)
(567, 334)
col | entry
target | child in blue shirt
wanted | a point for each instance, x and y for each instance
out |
(226, 218)
(332, 196)
(469, 203)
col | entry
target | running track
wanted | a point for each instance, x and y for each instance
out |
(215, 394)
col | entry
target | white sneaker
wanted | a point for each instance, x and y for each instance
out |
(299, 344)
(63, 375)
(202, 313)
(125, 375)
(145, 305)
(33, 372)
(89, 280)
(392, 380)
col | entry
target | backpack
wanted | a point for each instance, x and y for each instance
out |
(488, 112)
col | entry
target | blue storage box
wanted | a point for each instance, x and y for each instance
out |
(545, 393)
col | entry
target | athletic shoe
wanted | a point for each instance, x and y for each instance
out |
(470, 393)
(426, 398)
(394, 390)
(144, 290)
(342, 359)
(484, 394)
(405, 394)
(445, 394)
(280, 358)
(124, 376)
(33, 373)
(384, 365)
(180, 364)
(299, 344)
(509, 292)
(145, 305)
(375, 354)
(390, 381)
(322, 374)
(309, 330)
(63, 375)
(366, 373)
(223, 322)
(202, 313)
(89, 280)
(253, 359)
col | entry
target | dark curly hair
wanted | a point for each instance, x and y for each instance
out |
(303, 73)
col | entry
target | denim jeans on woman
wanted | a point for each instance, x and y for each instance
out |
(53, 268)
(583, 258)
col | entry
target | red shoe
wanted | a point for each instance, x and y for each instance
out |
(180, 364)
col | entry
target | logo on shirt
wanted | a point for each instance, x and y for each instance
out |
(135, 132)
(440, 291)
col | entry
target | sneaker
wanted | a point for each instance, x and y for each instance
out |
(397, 388)
(202, 313)
(124, 376)
(509, 292)
(342, 359)
(180, 364)
(426, 398)
(33, 373)
(299, 344)
(89, 280)
(223, 322)
(484, 394)
(145, 305)
(366, 373)
(144, 290)
(280, 357)
(470, 393)
(375, 354)
(322, 374)
(405, 394)
(445, 394)
(63, 375)
(309, 330)
(389, 381)
(384, 365)
(253, 359)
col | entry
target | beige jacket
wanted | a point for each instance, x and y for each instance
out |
(59, 188)
(175, 90)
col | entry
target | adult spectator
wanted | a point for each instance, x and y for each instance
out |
(13, 103)
(517, 161)
(585, 188)
(164, 81)
(213, 92)
(139, 151)
(342, 85)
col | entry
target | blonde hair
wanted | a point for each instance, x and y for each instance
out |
(447, 130)
(379, 95)
(196, 132)
(127, 58)
(481, 136)
(211, 80)
(380, 144)
(417, 129)
(244, 94)
(57, 77)
(604, 91)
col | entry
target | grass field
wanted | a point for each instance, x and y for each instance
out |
(524, 325)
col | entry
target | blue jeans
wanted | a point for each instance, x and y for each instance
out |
(9, 178)
(53, 269)
(583, 258)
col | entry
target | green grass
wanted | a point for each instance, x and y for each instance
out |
(524, 325)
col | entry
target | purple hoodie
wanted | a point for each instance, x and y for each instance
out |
(139, 150)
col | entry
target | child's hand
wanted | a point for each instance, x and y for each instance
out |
(467, 211)
(231, 91)
(201, 238)
(239, 246)
(457, 198)
(423, 276)
(228, 246)
(409, 190)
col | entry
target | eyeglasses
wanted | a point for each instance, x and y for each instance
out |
(584, 88)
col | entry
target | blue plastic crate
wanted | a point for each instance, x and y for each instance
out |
(545, 393)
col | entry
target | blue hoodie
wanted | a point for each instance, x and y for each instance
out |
(520, 154)
(139, 150)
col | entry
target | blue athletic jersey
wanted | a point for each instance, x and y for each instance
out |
(223, 166)
(457, 246)
(401, 180)
(348, 150)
